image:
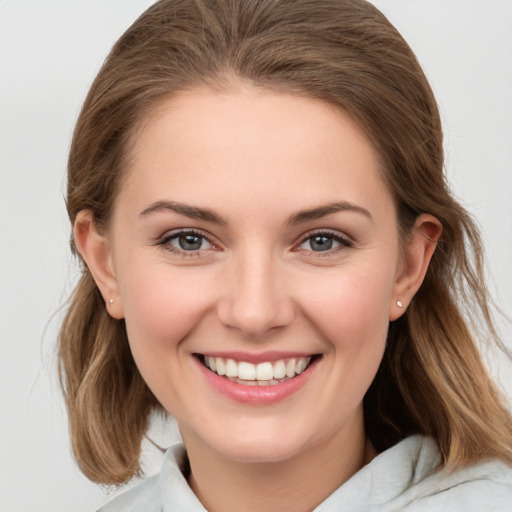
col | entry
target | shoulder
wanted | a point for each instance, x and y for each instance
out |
(486, 485)
(483, 486)
(166, 491)
(409, 477)
(145, 496)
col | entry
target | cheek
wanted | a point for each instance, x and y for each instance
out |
(351, 314)
(351, 309)
(161, 307)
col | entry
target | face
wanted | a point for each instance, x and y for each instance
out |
(255, 253)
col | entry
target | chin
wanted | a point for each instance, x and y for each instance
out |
(263, 452)
(261, 446)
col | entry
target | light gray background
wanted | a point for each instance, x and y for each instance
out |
(49, 53)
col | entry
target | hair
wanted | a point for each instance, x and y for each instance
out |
(432, 380)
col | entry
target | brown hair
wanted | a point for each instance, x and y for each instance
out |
(432, 380)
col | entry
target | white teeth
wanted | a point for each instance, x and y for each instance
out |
(300, 366)
(279, 370)
(246, 371)
(264, 371)
(290, 368)
(262, 374)
(231, 368)
(221, 367)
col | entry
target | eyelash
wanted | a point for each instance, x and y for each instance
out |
(344, 242)
(165, 242)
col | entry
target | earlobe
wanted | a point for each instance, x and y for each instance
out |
(418, 251)
(96, 252)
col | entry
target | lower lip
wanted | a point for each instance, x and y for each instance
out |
(256, 395)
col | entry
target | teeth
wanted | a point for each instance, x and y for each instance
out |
(300, 367)
(264, 371)
(231, 368)
(290, 368)
(246, 371)
(279, 370)
(221, 367)
(262, 374)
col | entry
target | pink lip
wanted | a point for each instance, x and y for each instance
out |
(254, 358)
(256, 395)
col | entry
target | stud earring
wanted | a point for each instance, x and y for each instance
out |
(111, 301)
(399, 303)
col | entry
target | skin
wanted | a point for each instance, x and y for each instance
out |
(257, 285)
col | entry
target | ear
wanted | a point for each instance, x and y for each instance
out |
(96, 252)
(418, 251)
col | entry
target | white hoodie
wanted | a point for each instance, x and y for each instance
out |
(407, 477)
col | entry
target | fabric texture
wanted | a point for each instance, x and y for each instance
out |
(407, 477)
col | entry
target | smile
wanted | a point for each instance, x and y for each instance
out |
(262, 374)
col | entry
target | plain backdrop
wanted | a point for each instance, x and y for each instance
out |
(49, 53)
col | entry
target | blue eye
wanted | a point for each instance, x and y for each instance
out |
(322, 242)
(188, 241)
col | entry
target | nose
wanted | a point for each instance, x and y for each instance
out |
(255, 299)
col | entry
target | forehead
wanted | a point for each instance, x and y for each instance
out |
(251, 142)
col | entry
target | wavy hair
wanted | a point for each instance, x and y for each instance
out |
(432, 380)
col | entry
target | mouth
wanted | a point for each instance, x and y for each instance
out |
(266, 373)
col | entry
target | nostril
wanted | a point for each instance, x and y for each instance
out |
(255, 318)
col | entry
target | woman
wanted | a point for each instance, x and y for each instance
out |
(272, 256)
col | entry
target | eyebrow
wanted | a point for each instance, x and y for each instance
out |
(328, 209)
(208, 215)
(193, 212)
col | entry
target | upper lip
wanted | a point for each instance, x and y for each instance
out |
(255, 358)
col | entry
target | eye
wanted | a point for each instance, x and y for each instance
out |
(188, 241)
(324, 241)
(319, 243)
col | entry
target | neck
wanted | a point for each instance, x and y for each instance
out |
(298, 484)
